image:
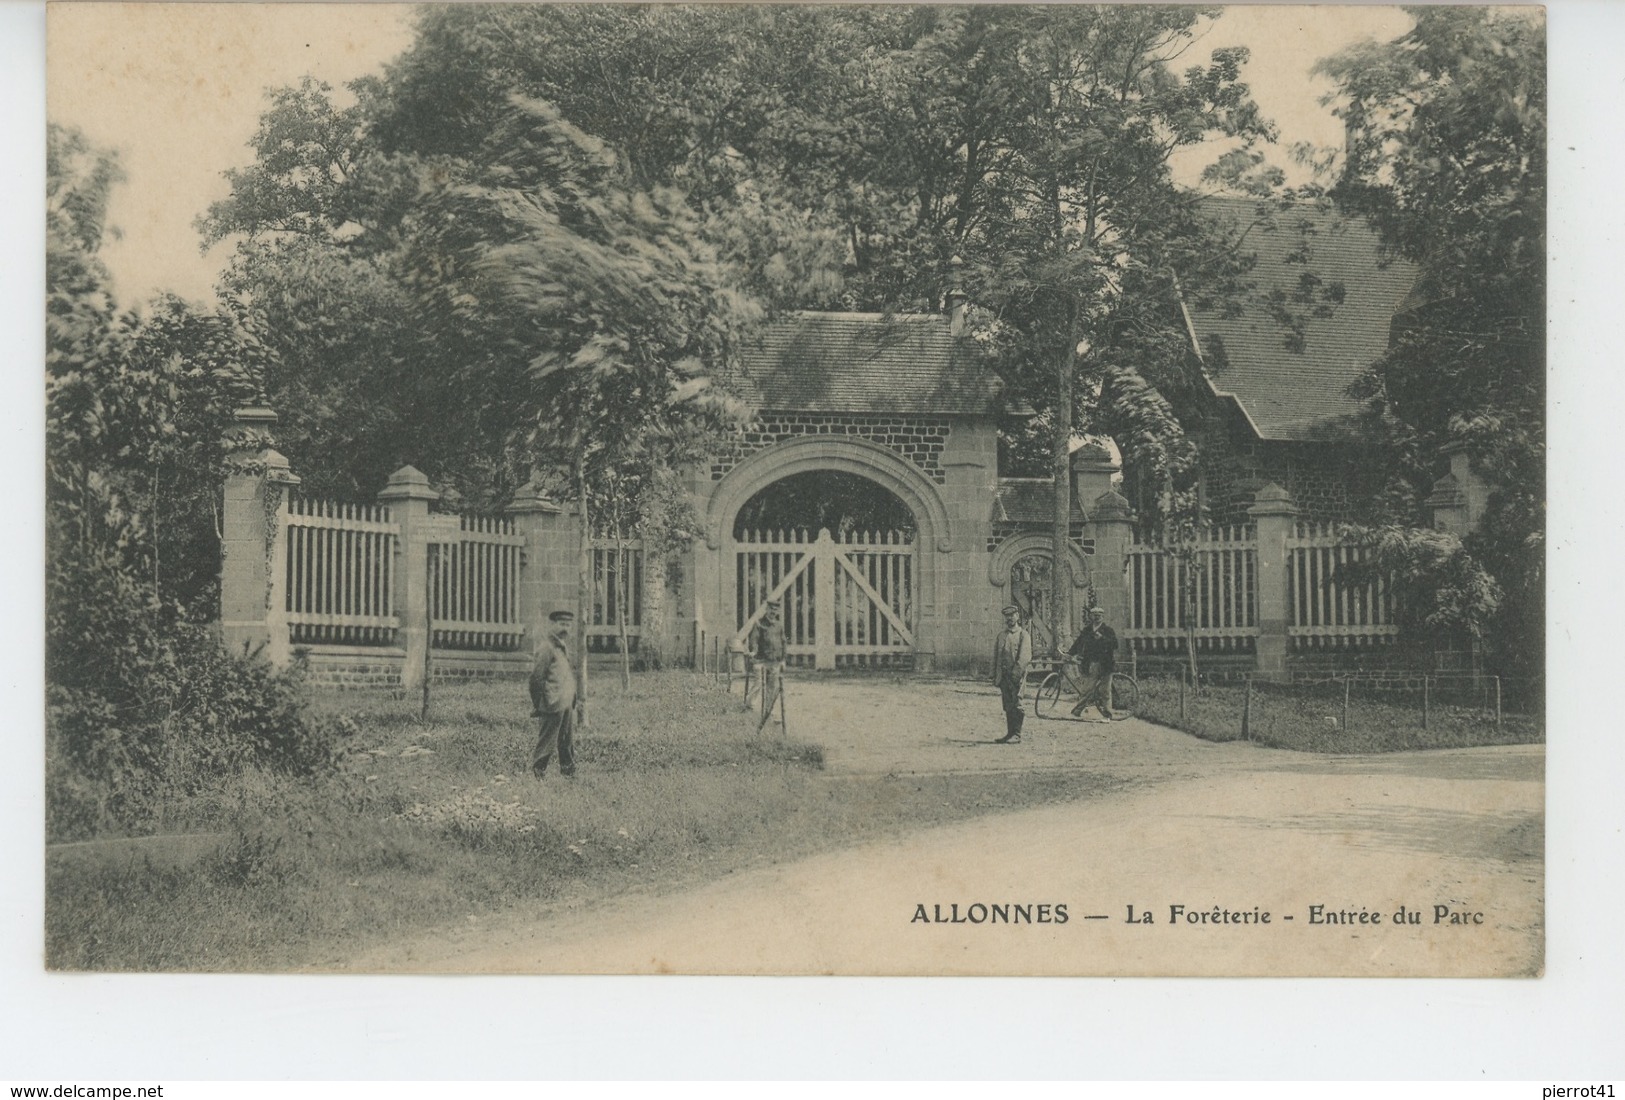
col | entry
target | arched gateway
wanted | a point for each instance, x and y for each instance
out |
(852, 596)
(901, 402)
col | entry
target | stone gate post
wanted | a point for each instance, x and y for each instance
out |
(408, 496)
(1274, 514)
(1111, 524)
(547, 574)
(253, 555)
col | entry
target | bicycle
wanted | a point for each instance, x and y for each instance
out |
(1122, 691)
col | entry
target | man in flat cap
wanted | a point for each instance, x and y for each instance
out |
(553, 698)
(767, 650)
(1096, 653)
(1012, 653)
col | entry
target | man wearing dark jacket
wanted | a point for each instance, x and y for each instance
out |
(1012, 653)
(767, 652)
(1096, 654)
(553, 698)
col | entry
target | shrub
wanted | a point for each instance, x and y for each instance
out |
(143, 707)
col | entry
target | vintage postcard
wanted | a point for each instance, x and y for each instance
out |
(796, 490)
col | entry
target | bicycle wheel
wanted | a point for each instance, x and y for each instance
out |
(1048, 693)
(1125, 696)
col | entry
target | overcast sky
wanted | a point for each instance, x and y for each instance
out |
(178, 88)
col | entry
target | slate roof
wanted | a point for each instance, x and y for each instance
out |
(1303, 395)
(1025, 500)
(868, 363)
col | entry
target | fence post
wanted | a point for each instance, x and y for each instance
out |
(1247, 709)
(547, 571)
(1111, 525)
(1424, 701)
(1273, 513)
(253, 548)
(1347, 681)
(408, 496)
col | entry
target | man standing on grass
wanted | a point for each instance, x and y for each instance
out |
(553, 698)
(1096, 653)
(767, 652)
(1012, 653)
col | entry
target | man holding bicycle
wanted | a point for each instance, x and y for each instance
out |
(1095, 652)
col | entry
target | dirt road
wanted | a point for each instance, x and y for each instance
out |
(1217, 859)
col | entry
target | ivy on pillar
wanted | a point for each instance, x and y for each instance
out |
(253, 564)
(408, 496)
(1274, 513)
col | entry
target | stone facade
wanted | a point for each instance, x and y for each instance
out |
(1329, 482)
(920, 440)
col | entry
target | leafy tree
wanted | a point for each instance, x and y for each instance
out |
(140, 701)
(1447, 157)
(1038, 151)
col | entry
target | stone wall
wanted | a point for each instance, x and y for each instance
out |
(1330, 482)
(364, 667)
(920, 440)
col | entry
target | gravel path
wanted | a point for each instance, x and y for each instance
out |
(1227, 832)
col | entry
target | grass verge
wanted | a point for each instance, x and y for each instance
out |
(1299, 717)
(431, 822)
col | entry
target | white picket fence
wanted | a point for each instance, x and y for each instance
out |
(617, 595)
(1325, 610)
(340, 572)
(474, 587)
(342, 577)
(1223, 569)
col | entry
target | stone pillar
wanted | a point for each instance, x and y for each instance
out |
(1460, 496)
(958, 635)
(408, 496)
(1111, 525)
(1092, 472)
(1274, 514)
(253, 555)
(547, 566)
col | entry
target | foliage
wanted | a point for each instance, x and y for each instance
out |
(142, 709)
(674, 790)
(142, 704)
(1447, 156)
(1438, 587)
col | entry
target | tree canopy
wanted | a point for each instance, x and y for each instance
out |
(1447, 156)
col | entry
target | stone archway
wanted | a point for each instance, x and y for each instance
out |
(845, 565)
(1005, 570)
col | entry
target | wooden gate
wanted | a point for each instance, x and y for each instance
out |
(846, 603)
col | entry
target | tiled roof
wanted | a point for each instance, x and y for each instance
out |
(867, 363)
(1025, 500)
(1303, 394)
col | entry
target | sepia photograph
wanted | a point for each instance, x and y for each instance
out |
(795, 490)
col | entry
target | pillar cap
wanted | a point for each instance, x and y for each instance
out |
(1273, 500)
(277, 467)
(1111, 507)
(1446, 493)
(408, 483)
(1092, 456)
(532, 498)
(254, 414)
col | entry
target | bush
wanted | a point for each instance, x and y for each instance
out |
(143, 707)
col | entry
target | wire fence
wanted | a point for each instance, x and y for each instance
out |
(1367, 712)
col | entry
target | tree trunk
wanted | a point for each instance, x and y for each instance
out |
(583, 586)
(623, 604)
(1059, 573)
